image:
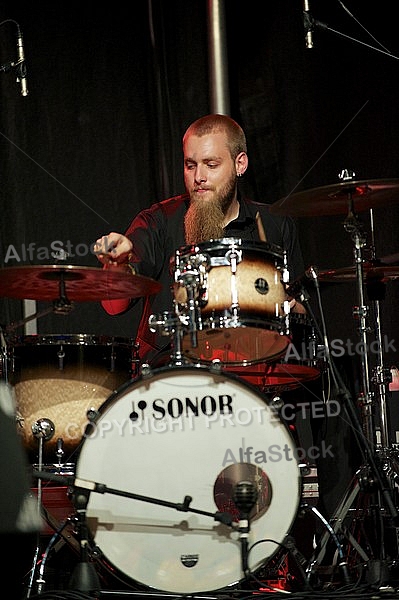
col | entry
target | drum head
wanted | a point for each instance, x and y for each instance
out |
(186, 431)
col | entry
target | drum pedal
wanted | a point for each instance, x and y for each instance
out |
(275, 577)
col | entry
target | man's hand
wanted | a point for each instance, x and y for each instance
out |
(296, 307)
(113, 249)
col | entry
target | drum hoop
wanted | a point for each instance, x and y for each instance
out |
(190, 368)
(228, 242)
(73, 339)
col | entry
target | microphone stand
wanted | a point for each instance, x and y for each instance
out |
(85, 485)
(84, 577)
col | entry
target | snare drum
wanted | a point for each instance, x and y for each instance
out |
(237, 290)
(60, 378)
(187, 431)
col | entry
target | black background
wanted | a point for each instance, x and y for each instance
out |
(112, 90)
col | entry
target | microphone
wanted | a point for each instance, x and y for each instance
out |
(21, 66)
(297, 287)
(308, 24)
(245, 496)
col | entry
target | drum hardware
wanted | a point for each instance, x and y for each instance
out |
(43, 430)
(371, 479)
(371, 276)
(330, 533)
(60, 452)
(58, 515)
(170, 325)
(360, 312)
(84, 577)
(188, 277)
(63, 533)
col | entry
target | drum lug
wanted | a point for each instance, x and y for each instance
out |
(92, 414)
(233, 258)
(146, 371)
(216, 367)
(277, 403)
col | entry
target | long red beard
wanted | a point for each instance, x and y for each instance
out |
(203, 222)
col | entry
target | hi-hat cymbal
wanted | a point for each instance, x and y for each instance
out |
(372, 272)
(339, 198)
(82, 284)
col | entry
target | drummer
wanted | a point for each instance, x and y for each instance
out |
(214, 159)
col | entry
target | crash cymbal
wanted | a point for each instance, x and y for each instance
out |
(82, 284)
(371, 272)
(390, 259)
(339, 198)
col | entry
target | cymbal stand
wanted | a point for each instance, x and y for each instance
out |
(381, 376)
(43, 430)
(61, 306)
(360, 312)
(386, 450)
(370, 477)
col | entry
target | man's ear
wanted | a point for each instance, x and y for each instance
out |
(241, 163)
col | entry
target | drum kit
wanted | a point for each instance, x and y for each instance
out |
(132, 445)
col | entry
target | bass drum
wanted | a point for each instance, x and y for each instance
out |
(179, 432)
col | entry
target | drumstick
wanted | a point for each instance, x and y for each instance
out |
(261, 231)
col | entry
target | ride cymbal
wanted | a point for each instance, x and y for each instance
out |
(81, 284)
(371, 272)
(339, 198)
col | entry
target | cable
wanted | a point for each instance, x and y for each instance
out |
(362, 26)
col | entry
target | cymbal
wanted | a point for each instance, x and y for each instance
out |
(390, 259)
(82, 284)
(338, 198)
(372, 272)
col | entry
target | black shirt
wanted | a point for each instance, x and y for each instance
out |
(157, 233)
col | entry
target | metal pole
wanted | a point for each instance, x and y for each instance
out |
(218, 62)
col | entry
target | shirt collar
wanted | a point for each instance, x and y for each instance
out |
(245, 216)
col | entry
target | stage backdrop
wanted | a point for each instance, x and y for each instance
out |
(111, 92)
